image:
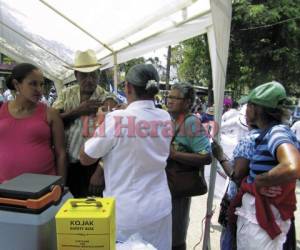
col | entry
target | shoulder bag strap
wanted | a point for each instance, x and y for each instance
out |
(179, 127)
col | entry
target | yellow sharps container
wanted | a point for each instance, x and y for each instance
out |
(85, 224)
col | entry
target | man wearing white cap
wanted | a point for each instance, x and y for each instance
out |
(76, 103)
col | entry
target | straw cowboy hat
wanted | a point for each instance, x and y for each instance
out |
(210, 110)
(85, 61)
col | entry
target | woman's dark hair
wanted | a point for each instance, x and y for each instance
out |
(147, 93)
(187, 91)
(277, 115)
(144, 79)
(19, 72)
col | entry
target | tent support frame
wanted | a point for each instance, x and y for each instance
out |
(77, 25)
(115, 73)
(33, 42)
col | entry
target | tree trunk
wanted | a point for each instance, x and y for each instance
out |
(168, 68)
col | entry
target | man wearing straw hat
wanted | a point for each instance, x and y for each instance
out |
(77, 105)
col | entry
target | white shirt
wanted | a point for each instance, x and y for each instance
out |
(231, 113)
(296, 129)
(134, 162)
(233, 128)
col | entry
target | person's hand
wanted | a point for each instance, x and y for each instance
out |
(97, 183)
(89, 107)
(217, 150)
(100, 116)
(270, 191)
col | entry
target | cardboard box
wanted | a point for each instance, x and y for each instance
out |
(85, 224)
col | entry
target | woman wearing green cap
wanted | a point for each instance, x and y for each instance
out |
(264, 219)
(134, 147)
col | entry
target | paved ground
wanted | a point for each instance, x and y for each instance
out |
(198, 210)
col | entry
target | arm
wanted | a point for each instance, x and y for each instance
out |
(286, 171)
(70, 116)
(197, 142)
(192, 159)
(98, 146)
(85, 159)
(241, 169)
(97, 181)
(237, 169)
(85, 108)
(57, 131)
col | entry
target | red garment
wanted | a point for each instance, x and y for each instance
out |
(25, 144)
(285, 203)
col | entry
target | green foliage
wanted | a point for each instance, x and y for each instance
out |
(124, 67)
(264, 46)
(193, 56)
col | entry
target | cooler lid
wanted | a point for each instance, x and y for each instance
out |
(29, 186)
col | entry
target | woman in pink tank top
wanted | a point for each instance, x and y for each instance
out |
(32, 134)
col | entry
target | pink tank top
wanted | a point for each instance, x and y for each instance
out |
(25, 144)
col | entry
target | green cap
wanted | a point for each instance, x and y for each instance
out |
(268, 95)
(140, 74)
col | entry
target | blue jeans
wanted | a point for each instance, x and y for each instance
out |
(226, 240)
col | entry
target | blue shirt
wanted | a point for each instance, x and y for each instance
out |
(244, 149)
(206, 118)
(264, 157)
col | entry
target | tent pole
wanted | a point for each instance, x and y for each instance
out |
(76, 25)
(218, 40)
(115, 73)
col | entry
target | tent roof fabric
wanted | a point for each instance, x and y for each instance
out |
(49, 32)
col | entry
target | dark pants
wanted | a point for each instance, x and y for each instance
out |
(78, 179)
(180, 222)
(290, 243)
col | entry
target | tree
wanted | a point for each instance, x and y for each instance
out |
(159, 67)
(264, 44)
(124, 67)
(168, 67)
(194, 63)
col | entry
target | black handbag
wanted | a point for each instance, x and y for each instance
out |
(223, 215)
(185, 180)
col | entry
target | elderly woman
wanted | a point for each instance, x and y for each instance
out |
(263, 222)
(32, 134)
(134, 145)
(190, 148)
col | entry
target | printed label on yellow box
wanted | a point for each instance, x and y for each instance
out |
(84, 241)
(83, 224)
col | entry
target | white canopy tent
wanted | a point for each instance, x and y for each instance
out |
(49, 32)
